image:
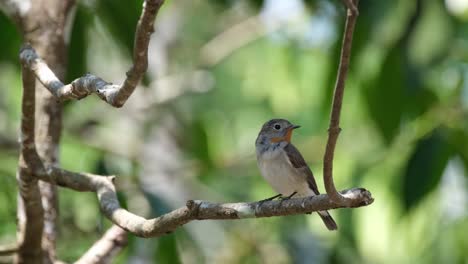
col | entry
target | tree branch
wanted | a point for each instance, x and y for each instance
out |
(334, 129)
(6, 250)
(8, 144)
(42, 23)
(234, 38)
(104, 187)
(115, 95)
(30, 220)
(194, 210)
(106, 248)
(352, 6)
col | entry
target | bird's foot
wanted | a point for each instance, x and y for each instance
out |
(289, 197)
(270, 199)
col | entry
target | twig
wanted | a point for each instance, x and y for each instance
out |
(6, 250)
(8, 144)
(235, 37)
(352, 6)
(334, 129)
(106, 248)
(115, 95)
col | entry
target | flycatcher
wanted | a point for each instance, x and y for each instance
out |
(283, 166)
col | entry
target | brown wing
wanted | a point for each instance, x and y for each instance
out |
(299, 163)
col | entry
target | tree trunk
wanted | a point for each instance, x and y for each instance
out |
(43, 26)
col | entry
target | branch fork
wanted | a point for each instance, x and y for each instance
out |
(334, 129)
(116, 95)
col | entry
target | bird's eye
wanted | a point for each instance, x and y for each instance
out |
(277, 127)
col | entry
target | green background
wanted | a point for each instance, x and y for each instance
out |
(404, 121)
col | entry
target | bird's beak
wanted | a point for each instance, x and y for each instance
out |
(289, 133)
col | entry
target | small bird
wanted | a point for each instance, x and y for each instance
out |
(283, 166)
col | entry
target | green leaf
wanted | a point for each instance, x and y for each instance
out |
(425, 167)
(459, 141)
(10, 39)
(121, 19)
(167, 250)
(385, 97)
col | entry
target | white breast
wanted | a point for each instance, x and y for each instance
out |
(281, 175)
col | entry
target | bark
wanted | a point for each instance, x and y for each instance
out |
(104, 187)
(30, 211)
(115, 95)
(43, 26)
(334, 128)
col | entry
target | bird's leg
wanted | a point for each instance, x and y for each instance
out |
(289, 197)
(269, 199)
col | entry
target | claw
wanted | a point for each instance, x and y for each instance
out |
(270, 199)
(289, 197)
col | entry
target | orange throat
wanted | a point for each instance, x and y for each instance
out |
(286, 138)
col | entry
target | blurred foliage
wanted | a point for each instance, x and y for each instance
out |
(404, 120)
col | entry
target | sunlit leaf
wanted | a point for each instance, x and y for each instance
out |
(10, 40)
(385, 97)
(167, 250)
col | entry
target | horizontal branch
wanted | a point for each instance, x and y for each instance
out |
(6, 250)
(113, 94)
(103, 186)
(194, 210)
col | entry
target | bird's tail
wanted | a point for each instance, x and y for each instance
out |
(328, 220)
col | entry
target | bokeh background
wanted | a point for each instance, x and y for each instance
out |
(220, 69)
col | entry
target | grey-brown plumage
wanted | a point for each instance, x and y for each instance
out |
(283, 166)
(298, 162)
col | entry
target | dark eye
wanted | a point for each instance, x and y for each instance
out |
(277, 127)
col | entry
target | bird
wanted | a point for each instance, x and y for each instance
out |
(283, 167)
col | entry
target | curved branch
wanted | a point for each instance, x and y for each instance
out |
(334, 128)
(6, 250)
(194, 210)
(115, 95)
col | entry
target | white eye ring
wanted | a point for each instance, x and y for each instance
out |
(277, 126)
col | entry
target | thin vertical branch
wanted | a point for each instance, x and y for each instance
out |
(48, 18)
(334, 128)
(31, 216)
(140, 51)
